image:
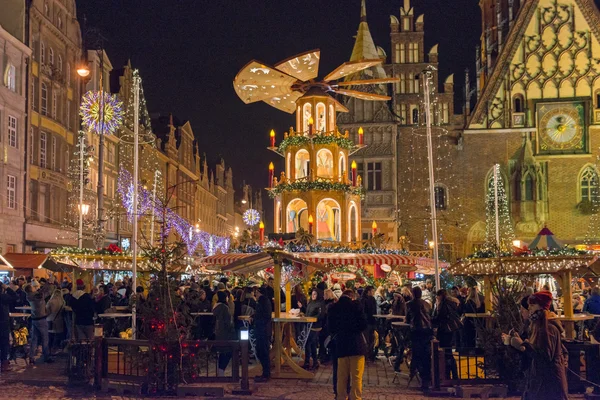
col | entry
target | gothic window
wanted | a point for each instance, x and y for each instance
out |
(518, 103)
(413, 52)
(411, 82)
(397, 51)
(406, 24)
(529, 188)
(42, 52)
(51, 56)
(402, 53)
(374, 176)
(445, 113)
(415, 115)
(588, 183)
(416, 83)
(441, 197)
(403, 114)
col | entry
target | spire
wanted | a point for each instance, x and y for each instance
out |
(364, 47)
(363, 11)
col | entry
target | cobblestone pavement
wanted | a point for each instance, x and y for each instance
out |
(48, 382)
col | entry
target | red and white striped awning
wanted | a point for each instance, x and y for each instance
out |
(401, 263)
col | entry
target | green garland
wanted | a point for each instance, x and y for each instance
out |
(563, 251)
(107, 251)
(299, 140)
(307, 186)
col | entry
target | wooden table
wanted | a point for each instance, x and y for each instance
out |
(283, 329)
(202, 314)
(569, 323)
(121, 308)
(19, 315)
(390, 317)
(398, 324)
(23, 308)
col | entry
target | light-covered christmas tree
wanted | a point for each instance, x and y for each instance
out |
(499, 229)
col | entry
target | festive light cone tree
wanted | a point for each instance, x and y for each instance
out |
(498, 210)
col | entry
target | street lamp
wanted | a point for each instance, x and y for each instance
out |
(83, 70)
(83, 208)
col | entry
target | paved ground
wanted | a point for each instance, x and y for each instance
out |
(48, 382)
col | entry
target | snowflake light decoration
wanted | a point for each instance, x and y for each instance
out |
(90, 112)
(251, 217)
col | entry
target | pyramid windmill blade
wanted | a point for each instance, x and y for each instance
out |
(369, 82)
(351, 67)
(285, 103)
(303, 66)
(362, 95)
(256, 82)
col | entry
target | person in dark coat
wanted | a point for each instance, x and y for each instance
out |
(369, 305)
(316, 309)
(347, 323)
(84, 307)
(262, 321)
(102, 300)
(473, 304)
(7, 298)
(417, 316)
(224, 329)
(398, 304)
(447, 321)
(546, 376)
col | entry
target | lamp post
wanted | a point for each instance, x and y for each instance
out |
(81, 208)
(427, 77)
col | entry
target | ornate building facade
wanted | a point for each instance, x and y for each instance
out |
(537, 97)
(40, 93)
(14, 55)
(394, 163)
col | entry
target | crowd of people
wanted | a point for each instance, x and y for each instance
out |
(346, 332)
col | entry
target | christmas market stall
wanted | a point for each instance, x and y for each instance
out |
(563, 263)
(287, 267)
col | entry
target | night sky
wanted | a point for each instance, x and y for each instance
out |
(189, 51)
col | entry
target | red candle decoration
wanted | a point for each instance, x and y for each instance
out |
(271, 172)
(261, 230)
(361, 136)
(310, 224)
(374, 228)
(311, 123)
(353, 173)
(272, 135)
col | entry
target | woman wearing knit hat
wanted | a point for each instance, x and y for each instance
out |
(546, 376)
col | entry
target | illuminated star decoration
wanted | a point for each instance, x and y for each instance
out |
(251, 217)
(90, 112)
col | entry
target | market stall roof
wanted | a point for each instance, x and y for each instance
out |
(545, 239)
(249, 262)
(59, 266)
(102, 262)
(525, 265)
(23, 260)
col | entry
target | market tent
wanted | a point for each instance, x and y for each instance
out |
(522, 265)
(244, 263)
(545, 240)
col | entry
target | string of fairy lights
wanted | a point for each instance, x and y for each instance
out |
(414, 178)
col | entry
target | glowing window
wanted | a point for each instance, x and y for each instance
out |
(306, 114)
(324, 164)
(302, 164)
(321, 117)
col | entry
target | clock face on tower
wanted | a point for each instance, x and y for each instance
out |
(561, 128)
